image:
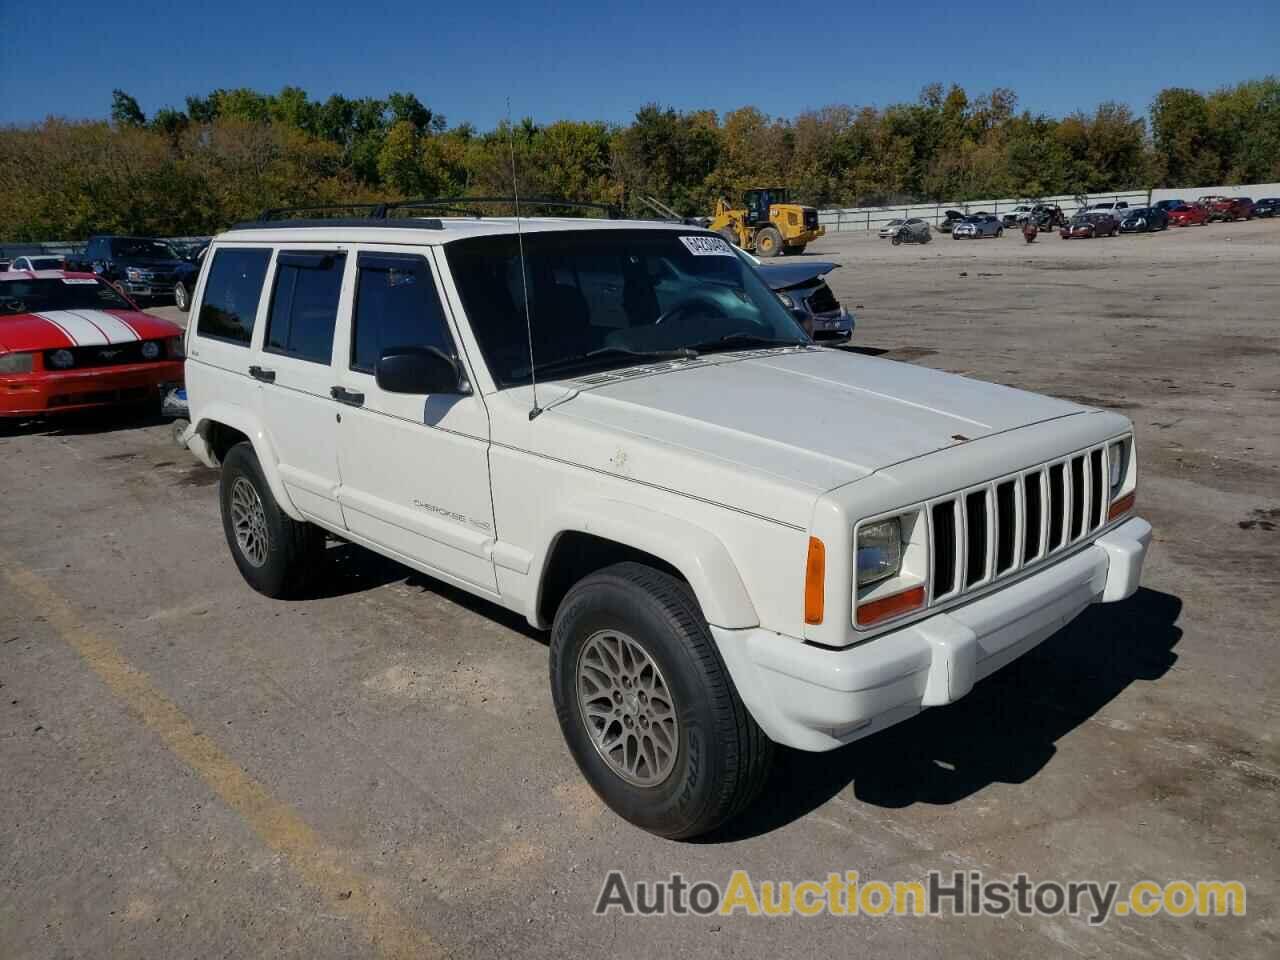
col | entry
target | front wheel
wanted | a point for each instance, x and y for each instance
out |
(181, 297)
(647, 707)
(275, 553)
(897, 239)
(999, 232)
(768, 242)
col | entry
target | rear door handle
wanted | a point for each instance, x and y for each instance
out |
(353, 398)
(258, 373)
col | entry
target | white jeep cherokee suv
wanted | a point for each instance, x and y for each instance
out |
(736, 538)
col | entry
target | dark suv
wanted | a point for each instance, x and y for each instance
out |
(143, 267)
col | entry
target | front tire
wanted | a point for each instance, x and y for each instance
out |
(181, 296)
(648, 708)
(276, 554)
(768, 242)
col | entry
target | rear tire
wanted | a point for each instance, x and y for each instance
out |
(181, 296)
(768, 242)
(648, 708)
(276, 554)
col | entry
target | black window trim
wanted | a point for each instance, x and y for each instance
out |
(282, 257)
(211, 255)
(388, 258)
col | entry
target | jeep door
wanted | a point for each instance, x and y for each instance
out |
(294, 364)
(415, 466)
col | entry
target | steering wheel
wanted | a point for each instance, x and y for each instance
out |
(707, 304)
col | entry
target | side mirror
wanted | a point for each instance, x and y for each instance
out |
(418, 370)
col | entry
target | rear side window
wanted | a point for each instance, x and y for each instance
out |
(396, 306)
(304, 305)
(231, 294)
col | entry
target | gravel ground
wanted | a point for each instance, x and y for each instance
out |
(190, 769)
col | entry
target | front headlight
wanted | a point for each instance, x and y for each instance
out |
(879, 551)
(62, 359)
(150, 350)
(787, 301)
(133, 273)
(15, 362)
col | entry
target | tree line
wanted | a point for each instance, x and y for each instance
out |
(230, 154)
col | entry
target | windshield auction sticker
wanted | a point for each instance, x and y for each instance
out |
(708, 246)
(959, 893)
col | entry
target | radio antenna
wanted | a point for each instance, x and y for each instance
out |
(524, 277)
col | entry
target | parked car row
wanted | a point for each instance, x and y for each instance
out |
(142, 267)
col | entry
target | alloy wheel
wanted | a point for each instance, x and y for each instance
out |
(627, 708)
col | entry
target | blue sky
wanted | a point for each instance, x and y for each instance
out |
(585, 61)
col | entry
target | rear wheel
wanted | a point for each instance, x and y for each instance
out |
(275, 553)
(181, 296)
(999, 232)
(647, 707)
(768, 242)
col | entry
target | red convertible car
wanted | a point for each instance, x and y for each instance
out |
(1188, 214)
(70, 341)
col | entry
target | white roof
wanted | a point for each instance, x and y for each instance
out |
(452, 228)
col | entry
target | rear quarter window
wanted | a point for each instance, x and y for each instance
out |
(231, 294)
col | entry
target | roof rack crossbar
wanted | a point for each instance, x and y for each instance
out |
(371, 221)
(376, 210)
(463, 203)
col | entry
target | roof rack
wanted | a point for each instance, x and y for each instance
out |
(464, 205)
(379, 214)
(284, 213)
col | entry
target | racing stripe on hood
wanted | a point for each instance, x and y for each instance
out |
(116, 329)
(81, 332)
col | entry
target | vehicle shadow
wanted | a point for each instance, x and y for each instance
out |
(349, 569)
(86, 422)
(1003, 731)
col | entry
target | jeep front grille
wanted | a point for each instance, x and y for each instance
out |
(989, 532)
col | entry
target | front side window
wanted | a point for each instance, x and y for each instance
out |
(304, 305)
(600, 298)
(396, 306)
(231, 294)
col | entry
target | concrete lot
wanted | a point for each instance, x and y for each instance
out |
(189, 769)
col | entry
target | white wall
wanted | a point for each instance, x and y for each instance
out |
(873, 218)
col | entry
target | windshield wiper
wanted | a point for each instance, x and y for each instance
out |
(605, 353)
(731, 340)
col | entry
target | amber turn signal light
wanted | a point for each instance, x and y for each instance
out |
(1122, 506)
(815, 573)
(874, 611)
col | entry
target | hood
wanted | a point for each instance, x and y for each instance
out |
(768, 432)
(52, 329)
(784, 275)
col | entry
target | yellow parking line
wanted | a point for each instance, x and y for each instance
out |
(350, 893)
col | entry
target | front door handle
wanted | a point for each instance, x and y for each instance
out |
(353, 398)
(258, 373)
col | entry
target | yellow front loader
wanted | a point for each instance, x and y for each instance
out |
(767, 224)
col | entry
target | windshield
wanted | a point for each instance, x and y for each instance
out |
(72, 293)
(143, 249)
(602, 298)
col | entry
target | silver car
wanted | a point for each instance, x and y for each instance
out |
(890, 228)
(978, 225)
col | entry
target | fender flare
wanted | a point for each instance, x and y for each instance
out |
(698, 554)
(243, 420)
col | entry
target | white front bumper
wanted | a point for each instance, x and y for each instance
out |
(815, 698)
